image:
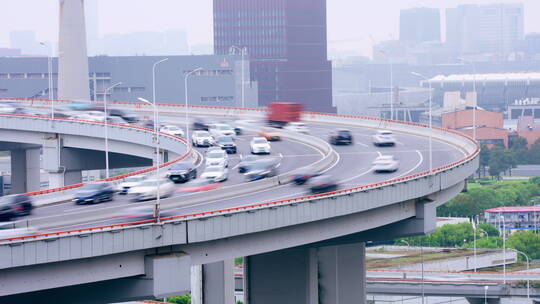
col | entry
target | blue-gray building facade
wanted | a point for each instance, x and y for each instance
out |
(218, 83)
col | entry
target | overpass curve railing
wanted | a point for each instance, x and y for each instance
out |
(398, 188)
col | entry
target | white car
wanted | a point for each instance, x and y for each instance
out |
(259, 145)
(202, 139)
(147, 189)
(172, 130)
(7, 109)
(385, 163)
(129, 183)
(215, 173)
(217, 158)
(218, 130)
(299, 127)
(384, 138)
(96, 115)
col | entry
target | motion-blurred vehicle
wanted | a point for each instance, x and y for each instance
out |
(15, 205)
(147, 123)
(139, 213)
(200, 123)
(92, 193)
(341, 137)
(246, 162)
(215, 173)
(181, 172)
(8, 109)
(127, 116)
(213, 148)
(17, 232)
(237, 130)
(385, 163)
(199, 185)
(303, 175)
(259, 145)
(217, 158)
(148, 189)
(226, 143)
(282, 113)
(218, 130)
(172, 130)
(270, 135)
(263, 168)
(116, 120)
(129, 182)
(322, 184)
(96, 115)
(384, 138)
(201, 139)
(299, 127)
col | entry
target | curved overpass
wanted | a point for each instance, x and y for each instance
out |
(264, 229)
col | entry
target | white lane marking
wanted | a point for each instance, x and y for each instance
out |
(361, 144)
(421, 160)
(80, 208)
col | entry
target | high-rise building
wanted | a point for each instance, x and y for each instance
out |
(420, 24)
(494, 28)
(286, 42)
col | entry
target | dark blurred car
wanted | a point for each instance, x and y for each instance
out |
(200, 124)
(322, 184)
(15, 205)
(182, 172)
(199, 185)
(262, 168)
(246, 163)
(341, 137)
(226, 143)
(302, 175)
(127, 116)
(148, 123)
(94, 193)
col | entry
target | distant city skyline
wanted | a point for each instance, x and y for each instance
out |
(352, 27)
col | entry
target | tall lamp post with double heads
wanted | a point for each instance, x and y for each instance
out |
(430, 120)
(504, 248)
(391, 83)
(186, 97)
(156, 132)
(243, 52)
(106, 127)
(154, 86)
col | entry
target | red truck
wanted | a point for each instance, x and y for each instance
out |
(281, 113)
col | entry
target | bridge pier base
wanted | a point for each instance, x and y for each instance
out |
(334, 274)
(25, 170)
(213, 283)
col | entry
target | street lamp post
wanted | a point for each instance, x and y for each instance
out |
(485, 293)
(243, 52)
(475, 227)
(107, 129)
(528, 280)
(156, 118)
(186, 98)
(504, 248)
(391, 83)
(430, 120)
(49, 69)
(475, 94)
(156, 132)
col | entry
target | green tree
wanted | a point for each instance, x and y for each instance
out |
(486, 242)
(484, 159)
(463, 205)
(500, 161)
(527, 242)
(534, 153)
(183, 299)
(489, 229)
(518, 143)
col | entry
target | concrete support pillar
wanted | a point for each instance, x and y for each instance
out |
(73, 59)
(25, 170)
(286, 277)
(342, 274)
(213, 283)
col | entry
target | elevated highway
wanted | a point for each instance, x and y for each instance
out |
(317, 240)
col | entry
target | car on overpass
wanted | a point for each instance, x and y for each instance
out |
(149, 188)
(92, 193)
(172, 130)
(384, 138)
(322, 184)
(385, 163)
(341, 137)
(15, 205)
(129, 182)
(226, 143)
(260, 145)
(182, 172)
(218, 130)
(215, 173)
(263, 168)
(299, 127)
(202, 139)
(246, 162)
(217, 158)
(303, 175)
(199, 185)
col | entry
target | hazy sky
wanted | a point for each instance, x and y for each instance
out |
(352, 24)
